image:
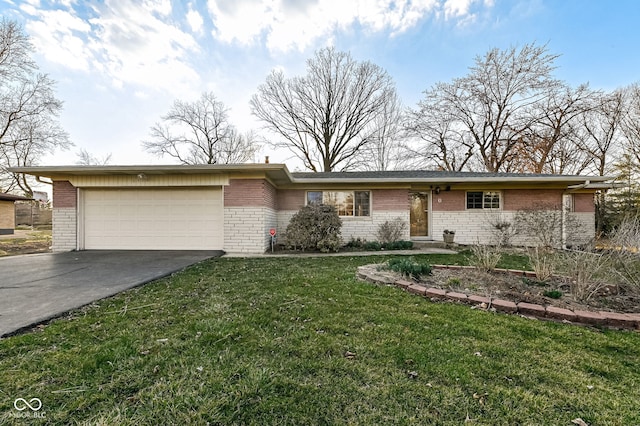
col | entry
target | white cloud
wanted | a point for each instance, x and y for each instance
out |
(127, 42)
(456, 8)
(194, 19)
(289, 24)
(59, 36)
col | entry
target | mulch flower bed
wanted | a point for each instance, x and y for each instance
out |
(516, 292)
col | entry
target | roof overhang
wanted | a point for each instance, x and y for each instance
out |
(279, 175)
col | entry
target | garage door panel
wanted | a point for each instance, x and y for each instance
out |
(162, 219)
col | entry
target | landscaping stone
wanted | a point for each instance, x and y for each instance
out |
(478, 300)
(404, 284)
(531, 309)
(458, 297)
(560, 314)
(436, 293)
(587, 317)
(612, 319)
(504, 306)
(615, 319)
(417, 289)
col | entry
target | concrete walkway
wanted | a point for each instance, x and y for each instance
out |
(428, 250)
(36, 288)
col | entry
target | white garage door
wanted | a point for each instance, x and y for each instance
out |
(153, 219)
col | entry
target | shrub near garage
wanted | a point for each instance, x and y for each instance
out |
(315, 227)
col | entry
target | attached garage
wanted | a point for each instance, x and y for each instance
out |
(151, 218)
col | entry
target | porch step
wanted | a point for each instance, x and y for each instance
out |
(419, 244)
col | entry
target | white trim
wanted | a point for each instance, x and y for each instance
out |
(80, 219)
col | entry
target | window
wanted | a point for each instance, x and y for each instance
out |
(347, 203)
(483, 200)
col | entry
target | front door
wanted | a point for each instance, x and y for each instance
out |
(419, 215)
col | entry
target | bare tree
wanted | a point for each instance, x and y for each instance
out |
(549, 145)
(200, 133)
(600, 137)
(386, 150)
(85, 158)
(631, 122)
(328, 116)
(488, 113)
(600, 133)
(29, 110)
(444, 142)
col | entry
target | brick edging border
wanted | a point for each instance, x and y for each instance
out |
(601, 318)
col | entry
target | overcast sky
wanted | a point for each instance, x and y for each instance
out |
(120, 64)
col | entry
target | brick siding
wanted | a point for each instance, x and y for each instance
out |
(354, 227)
(519, 199)
(389, 199)
(246, 229)
(64, 228)
(64, 194)
(249, 193)
(473, 226)
(290, 199)
(449, 201)
(7, 215)
(584, 203)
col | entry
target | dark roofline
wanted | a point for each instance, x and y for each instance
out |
(280, 175)
(11, 197)
(438, 176)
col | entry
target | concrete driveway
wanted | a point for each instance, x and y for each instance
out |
(36, 288)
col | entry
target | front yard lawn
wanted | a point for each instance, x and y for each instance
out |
(301, 341)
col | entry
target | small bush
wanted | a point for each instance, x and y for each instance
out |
(356, 243)
(398, 245)
(543, 262)
(391, 230)
(625, 254)
(372, 246)
(315, 227)
(485, 258)
(409, 267)
(453, 282)
(553, 294)
(585, 271)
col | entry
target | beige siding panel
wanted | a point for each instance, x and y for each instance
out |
(146, 181)
(153, 219)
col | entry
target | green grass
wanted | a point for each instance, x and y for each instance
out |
(263, 341)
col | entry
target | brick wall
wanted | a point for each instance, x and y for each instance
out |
(354, 227)
(64, 229)
(584, 203)
(64, 194)
(389, 199)
(586, 223)
(449, 201)
(474, 226)
(249, 214)
(290, 199)
(246, 229)
(519, 199)
(7, 215)
(249, 193)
